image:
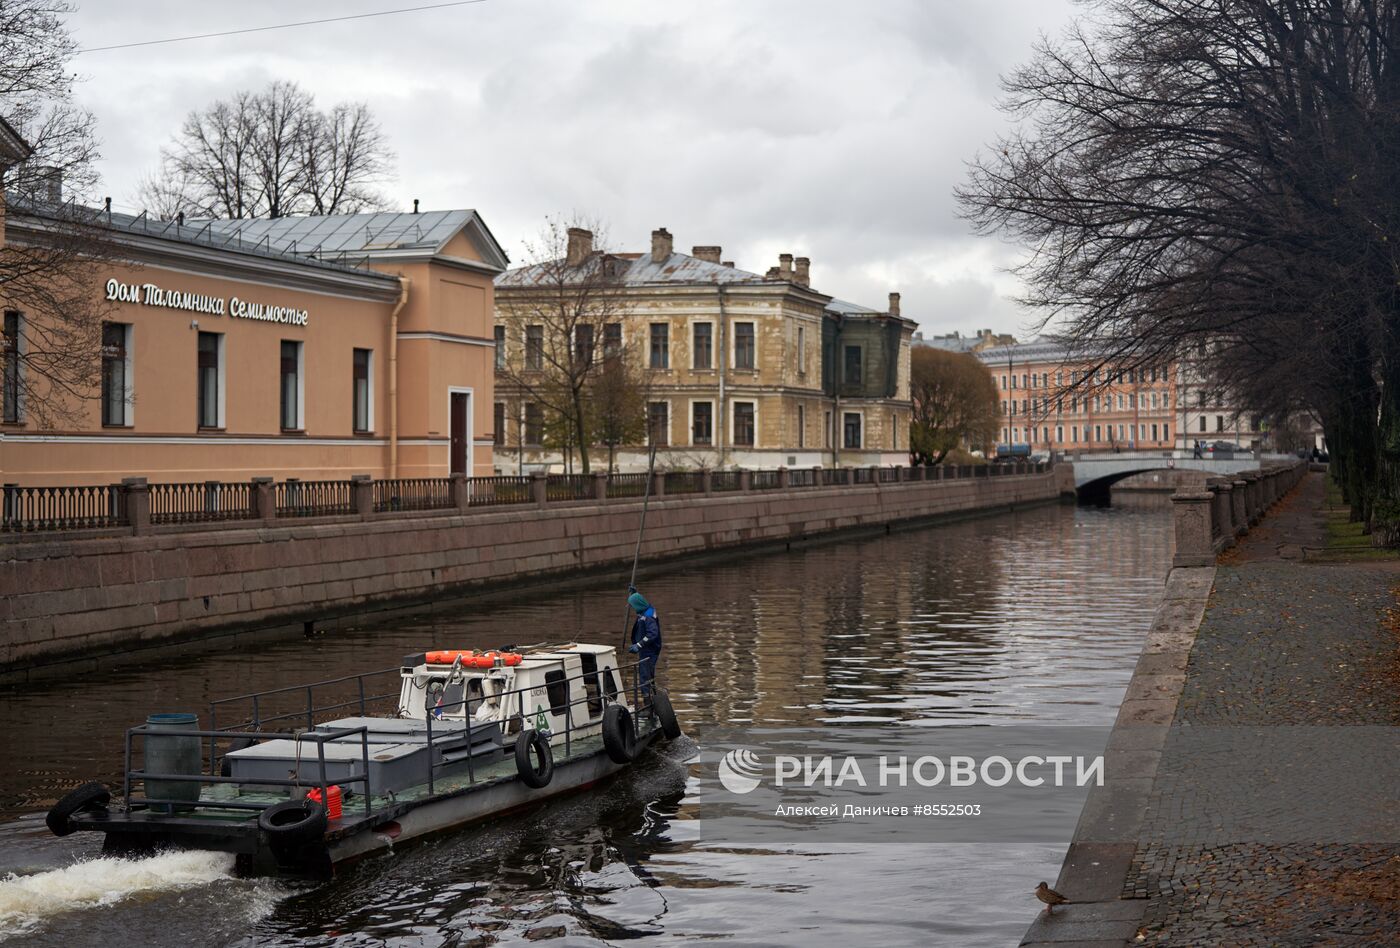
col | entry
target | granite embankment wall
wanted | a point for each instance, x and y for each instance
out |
(62, 598)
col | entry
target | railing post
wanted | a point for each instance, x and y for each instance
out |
(1191, 516)
(362, 494)
(1222, 517)
(136, 498)
(262, 500)
(1252, 494)
(745, 480)
(875, 474)
(658, 484)
(460, 491)
(600, 486)
(539, 487)
(707, 481)
(817, 479)
(1239, 506)
(784, 481)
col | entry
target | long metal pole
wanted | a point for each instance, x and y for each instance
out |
(641, 529)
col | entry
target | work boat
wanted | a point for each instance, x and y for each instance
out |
(474, 736)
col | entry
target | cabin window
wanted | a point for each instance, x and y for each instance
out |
(439, 695)
(610, 684)
(590, 685)
(556, 685)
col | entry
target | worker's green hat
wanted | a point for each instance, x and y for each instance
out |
(638, 602)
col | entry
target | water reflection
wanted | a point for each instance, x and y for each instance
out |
(1032, 617)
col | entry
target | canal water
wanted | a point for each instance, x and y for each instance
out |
(1033, 617)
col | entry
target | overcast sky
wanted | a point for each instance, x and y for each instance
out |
(834, 130)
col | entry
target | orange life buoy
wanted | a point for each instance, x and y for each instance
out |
(448, 656)
(471, 659)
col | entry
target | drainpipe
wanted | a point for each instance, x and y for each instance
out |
(722, 421)
(394, 379)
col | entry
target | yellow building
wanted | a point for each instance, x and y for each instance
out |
(736, 369)
(307, 347)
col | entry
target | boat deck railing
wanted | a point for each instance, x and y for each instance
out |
(255, 704)
(319, 738)
(522, 715)
(253, 728)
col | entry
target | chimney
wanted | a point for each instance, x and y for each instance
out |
(53, 185)
(708, 254)
(415, 205)
(804, 269)
(660, 244)
(785, 266)
(580, 246)
(772, 274)
(894, 304)
(727, 263)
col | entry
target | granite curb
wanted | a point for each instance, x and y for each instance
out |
(1105, 839)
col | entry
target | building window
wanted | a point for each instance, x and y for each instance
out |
(612, 339)
(703, 350)
(660, 345)
(853, 365)
(1203, 423)
(743, 346)
(743, 424)
(1098, 432)
(801, 425)
(498, 425)
(1074, 433)
(1154, 432)
(1166, 429)
(116, 374)
(11, 376)
(851, 430)
(500, 347)
(534, 423)
(361, 392)
(291, 386)
(211, 380)
(659, 423)
(801, 350)
(702, 423)
(583, 344)
(826, 430)
(1219, 422)
(894, 433)
(534, 347)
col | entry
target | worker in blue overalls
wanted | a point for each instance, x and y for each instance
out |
(646, 640)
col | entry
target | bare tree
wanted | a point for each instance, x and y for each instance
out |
(270, 154)
(617, 401)
(1221, 173)
(955, 404)
(559, 314)
(54, 247)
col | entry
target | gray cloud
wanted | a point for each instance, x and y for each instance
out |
(834, 130)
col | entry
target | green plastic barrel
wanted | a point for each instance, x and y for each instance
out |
(172, 754)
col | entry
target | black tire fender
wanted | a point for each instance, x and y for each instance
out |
(237, 744)
(533, 759)
(293, 822)
(619, 736)
(661, 704)
(89, 796)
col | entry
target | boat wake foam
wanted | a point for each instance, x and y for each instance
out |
(27, 900)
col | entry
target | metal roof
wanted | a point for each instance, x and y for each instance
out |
(199, 233)
(358, 236)
(846, 308)
(642, 270)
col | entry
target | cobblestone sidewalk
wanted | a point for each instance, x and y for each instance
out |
(1283, 643)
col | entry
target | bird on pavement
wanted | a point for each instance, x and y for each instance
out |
(1050, 897)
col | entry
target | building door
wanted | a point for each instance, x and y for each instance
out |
(461, 405)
